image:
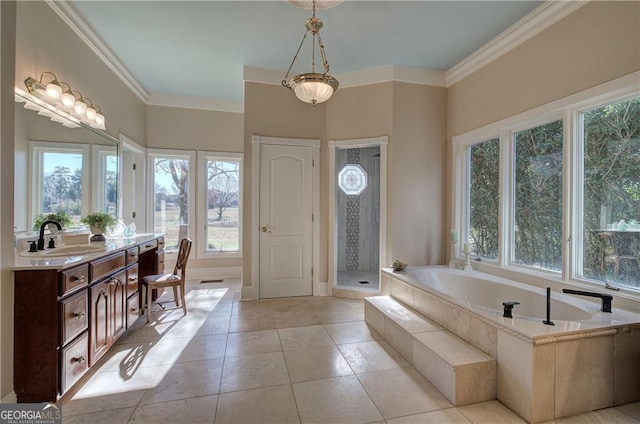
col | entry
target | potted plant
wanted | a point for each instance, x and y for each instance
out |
(61, 217)
(98, 222)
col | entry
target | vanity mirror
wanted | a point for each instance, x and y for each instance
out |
(58, 168)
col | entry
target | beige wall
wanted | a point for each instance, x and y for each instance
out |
(195, 129)
(7, 65)
(595, 44)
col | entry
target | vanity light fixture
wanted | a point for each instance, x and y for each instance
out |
(61, 100)
(312, 87)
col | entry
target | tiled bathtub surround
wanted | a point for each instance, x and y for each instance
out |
(543, 372)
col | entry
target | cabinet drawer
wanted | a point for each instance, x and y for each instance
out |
(132, 255)
(74, 362)
(132, 280)
(74, 314)
(160, 243)
(160, 262)
(105, 266)
(133, 309)
(151, 244)
(73, 278)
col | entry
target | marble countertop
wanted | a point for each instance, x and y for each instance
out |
(24, 261)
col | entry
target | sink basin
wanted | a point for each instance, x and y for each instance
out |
(74, 250)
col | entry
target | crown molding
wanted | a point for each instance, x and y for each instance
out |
(77, 23)
(193, 102)
(358, 78)
(541, 18)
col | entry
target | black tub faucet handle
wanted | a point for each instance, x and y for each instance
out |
(508, 308)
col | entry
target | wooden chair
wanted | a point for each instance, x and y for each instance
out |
(174, 280)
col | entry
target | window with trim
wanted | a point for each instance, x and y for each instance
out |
(172, 179)
(565, 203)
(67, 180)
(484, 194)
(220, 212)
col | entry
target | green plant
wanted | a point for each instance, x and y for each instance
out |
(60, 217)
(99, 220)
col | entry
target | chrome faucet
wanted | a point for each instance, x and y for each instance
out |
(41, 238)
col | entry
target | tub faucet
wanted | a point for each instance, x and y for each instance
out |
(41, 238)
(508, 308)
(606, 298)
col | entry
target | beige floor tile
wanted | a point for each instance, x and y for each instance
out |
(253, 342)
(151, 332)
(262, 320)
(273, 404)
(253, 371)
(98, 403)
(115, 416)
(128, 357)
(194, 411)
(335, 400)
(602, 416)
(304, 337)
(197, 348)
(296, 318)
(492, 412)
(372, 356)
(185, 380)
(443, 416)
(113, 382)
(316, 363)
(351, 332)
(329, 317)
(221, 310)
(214, 325)
(631, 409)
(402, 391)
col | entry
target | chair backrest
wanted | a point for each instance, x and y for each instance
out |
(609, 248)
(183, 257)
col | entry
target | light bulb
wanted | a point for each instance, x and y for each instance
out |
(68, 99)
(54, 91)
(100, 120)
(91, 113)
(79, 107)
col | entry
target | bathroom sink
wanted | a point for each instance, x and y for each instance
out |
(73, 250)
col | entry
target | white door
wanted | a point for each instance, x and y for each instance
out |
(286, 207)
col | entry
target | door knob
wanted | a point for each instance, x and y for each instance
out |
(264, 229)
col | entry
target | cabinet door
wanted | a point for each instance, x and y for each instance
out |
(99, 334)
(132, 280)
(117, 299)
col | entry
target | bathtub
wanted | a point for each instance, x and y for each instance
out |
(588, 360)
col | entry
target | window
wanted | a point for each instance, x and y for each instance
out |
(60, 173)
(171, 176)
(611, 192)
(221, 214)
(538, 196)
(105, 195)
(557, 193)
(484, 193)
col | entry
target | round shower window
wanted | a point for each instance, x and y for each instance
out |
(352, 179)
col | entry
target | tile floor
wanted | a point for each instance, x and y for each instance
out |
(272, 361)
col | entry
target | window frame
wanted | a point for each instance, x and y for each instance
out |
(99, 152)
(36, 150)
(190, 156)
(201, 216)
(567, 109)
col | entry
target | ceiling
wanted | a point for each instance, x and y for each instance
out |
(198, 49)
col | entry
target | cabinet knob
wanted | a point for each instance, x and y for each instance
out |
(134, 309)
(74, 278)
(78, 314)
(79, 359)
(133, 278)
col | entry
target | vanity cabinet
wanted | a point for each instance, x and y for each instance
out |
(66, 318)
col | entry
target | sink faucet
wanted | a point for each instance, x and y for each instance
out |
(41, 238)
(606, 298)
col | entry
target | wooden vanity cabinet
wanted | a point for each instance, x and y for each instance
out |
(66, 320)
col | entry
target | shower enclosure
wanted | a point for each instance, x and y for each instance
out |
(357, 217)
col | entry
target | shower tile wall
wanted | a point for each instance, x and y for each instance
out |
(358, 217)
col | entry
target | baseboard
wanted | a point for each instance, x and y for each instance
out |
(10, 398)
(214, 272)
(320, 288)
(247, 293)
